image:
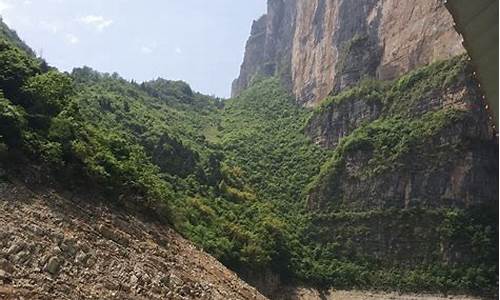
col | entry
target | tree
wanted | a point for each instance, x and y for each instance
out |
(47, 93)
(15, 68)
(12, 121)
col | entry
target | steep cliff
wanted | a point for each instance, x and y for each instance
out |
(410, 183)
(268, 51)
(413, 180)
(321, 47)
(400, 177)
(422, 141)
(402, 190)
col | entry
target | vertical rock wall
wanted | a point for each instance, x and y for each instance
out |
(319, 47)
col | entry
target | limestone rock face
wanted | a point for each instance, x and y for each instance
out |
(415, 34)
(269, 48)
(254, 56)
(406, 156)
(340, 120)
(452, 167)
(319, 47)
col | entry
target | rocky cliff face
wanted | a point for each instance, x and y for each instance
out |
(412, 180)
(269, 49)
(319, 47)
(450, 164)
(412, 159)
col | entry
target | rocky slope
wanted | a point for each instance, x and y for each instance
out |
(323, 46)
(60, 245)
(313, 294)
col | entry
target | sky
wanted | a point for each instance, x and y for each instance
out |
(199, 41)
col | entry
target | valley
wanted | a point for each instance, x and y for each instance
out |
(345, 166)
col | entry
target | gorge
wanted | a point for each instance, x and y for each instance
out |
(355, 154)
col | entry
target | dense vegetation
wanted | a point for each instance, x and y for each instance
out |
(159, 145)
(229, 175)
(382, 242)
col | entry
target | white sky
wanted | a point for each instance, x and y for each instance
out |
(199, 41)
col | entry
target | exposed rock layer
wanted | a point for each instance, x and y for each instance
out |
(57, 245)
(393, 189)
(318, 47)
(456, 167)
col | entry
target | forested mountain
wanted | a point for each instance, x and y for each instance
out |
(10, 35)
(388, 185)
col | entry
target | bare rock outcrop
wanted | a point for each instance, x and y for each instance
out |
(57, 245)
(269, 49)
(319, 47)
(445, 169)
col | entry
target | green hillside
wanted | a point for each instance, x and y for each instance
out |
(233, 176)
